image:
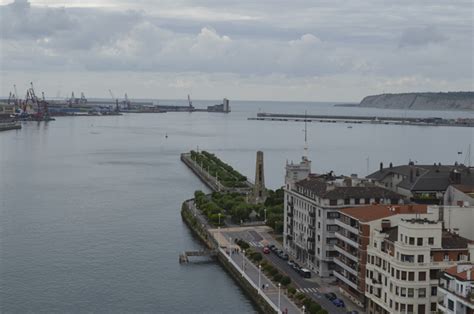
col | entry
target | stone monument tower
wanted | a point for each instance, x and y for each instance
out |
(259, 190)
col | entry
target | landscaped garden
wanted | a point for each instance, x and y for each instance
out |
(226, 175)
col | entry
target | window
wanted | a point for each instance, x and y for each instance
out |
(367, 200)
(422, 292)
(411, 276)
(434, 274)
(421, 258)
(434, 291)
(403, 292)
(419, 241)
(411, 292)
(319, 213)
(421, 276)
(398, 274)
(431, 241)
(357, 201)
(332, 202)
(411, 241)
(433, 307)
(450, 305)
(404, 275)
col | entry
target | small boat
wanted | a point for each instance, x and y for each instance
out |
(349, 127)
(166, 135)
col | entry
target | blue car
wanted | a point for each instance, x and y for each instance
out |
(338, 303)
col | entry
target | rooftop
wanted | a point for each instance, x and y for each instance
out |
(449, 240)
(374, 212)
(461, 271)
(435, 177)
(340, 187)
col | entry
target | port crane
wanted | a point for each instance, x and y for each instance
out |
(115, 100)
(127, 102)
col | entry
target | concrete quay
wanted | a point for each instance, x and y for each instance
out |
(242, 270)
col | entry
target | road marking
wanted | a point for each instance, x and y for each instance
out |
(308, 290)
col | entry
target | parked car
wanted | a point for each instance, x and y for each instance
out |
(271, 247)
(285, 257)
(338, 302)
(330, 296)
(291, 263)
(266, 250)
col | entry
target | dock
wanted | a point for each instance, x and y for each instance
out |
(184, 257)
(431, 121)
(5, 126)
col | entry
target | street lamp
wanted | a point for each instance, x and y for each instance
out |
(279, 285)
(230, 245)
(219, 214)
(243, 261)
(304, 308)
(265, 212)
(259, 272)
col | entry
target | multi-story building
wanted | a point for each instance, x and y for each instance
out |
(456, 286)
(312, 206)
(353, 237)
(424, 184)
(404, 263)
(459, 195)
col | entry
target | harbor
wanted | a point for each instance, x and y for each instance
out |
(429, 121)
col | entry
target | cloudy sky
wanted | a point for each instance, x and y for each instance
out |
(318, 50)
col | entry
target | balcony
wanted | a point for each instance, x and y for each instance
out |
(343, 238)
(347, 253)
(312, 214)
(311, 239)
(289, 213)
(352, 228)
(340, 275)
(349, 267)
(289, 237)
(311, 252)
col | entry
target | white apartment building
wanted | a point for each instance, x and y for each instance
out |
(404, 263)
(312, 204)
(456, 286)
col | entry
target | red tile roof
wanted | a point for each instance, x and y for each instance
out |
(374, 212)
(462, 275)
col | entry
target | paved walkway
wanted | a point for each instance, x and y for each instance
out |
(272, 292)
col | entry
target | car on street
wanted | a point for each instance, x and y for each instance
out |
(266, 250)
(271, 247)
(285, 257)
(330, 296)
(353, 312)
(338, 302)
(291, 263)
(306, 273)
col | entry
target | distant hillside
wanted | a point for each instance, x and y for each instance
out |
(421, 101)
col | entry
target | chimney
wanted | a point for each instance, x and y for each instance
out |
(381, 166)
(385, 224)
(411, 174)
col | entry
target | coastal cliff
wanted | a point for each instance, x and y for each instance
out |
(421, 101)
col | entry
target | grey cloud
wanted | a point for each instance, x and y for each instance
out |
(421, 36)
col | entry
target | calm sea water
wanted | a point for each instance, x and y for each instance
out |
(89, 206)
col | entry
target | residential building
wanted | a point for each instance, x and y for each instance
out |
(312, 206)
(353, 237)
(459, 195)
(456, 286)
(424, 184)
(404, 263)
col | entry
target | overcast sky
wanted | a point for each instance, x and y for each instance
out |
(318, 50)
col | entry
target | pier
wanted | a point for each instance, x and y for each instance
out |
(213, 182)
(432, 121)
(9, 126)
(184, 257)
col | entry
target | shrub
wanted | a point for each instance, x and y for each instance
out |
(314, 308)
(273, 271)
(291, 290)
(277, 277)
(257, 256)
(300, 296)
(322, 312)
(307, 302)
(285, 281)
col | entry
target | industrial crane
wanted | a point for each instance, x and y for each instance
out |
(116, 101)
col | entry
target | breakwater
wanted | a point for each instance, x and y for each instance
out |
(433, 121)
(251, 290)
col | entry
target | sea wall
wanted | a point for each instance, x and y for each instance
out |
(202, 233)
(421, 101)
